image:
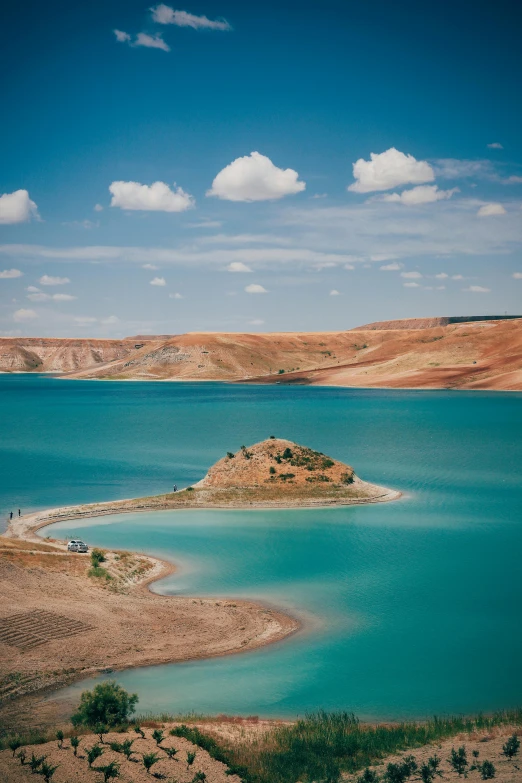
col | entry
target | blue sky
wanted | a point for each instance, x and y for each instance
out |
(177, 168)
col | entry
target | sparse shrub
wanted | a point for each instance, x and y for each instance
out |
(22, 756)
(272, 470)
(116, 747)
(459, 760)
(158, 736)
(272, 437)
(347, 478)
(368, 776)
(171, 752)
(59, 737)
(199, 777)
(14, 744)
(511, 747)
(410, 765)
(285, 476)
(487, 770)
(126, 748)
(397, 773)
(190, 758)
(277, 459)
(280, 372)
(230, 455)
(288, 453)
(107, 705)
(139, 731)
(35, 762)
(149, 759)
(99, 573)
(93, 753)
(430, 769)
(327, 463)
(190, 489)
(110, 771)
(75, 741)
(97, 557)
(47, 770)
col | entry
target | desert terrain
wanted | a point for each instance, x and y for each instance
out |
(429, 353)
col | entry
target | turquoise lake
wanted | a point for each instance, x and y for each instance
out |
(409, 608)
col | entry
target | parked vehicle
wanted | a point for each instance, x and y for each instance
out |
(75, 545)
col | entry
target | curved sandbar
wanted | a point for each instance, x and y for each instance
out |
(125, 625)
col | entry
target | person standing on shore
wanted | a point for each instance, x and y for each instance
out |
(11, 515)
(19, 513)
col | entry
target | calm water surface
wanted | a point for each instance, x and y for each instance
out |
(409, 608)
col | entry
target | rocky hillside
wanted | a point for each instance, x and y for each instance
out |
(414, 353)
(276, 461)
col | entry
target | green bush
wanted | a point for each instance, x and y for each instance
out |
(47, 770)
(487, 770)
(149, 759)
(22, 756)
(158, 736)
(14, 744)
(59, 737)
(110, 771)
(97, 557)
(272, 470)
(230, 455)
(511, 747)
(93, 753)
(190, 758)
(287, 453)
(35, 762)
(75, 741)
(108, 705)
(459, 760)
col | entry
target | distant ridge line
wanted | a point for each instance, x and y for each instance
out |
(430, 323)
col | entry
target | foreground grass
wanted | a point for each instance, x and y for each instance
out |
(318, 748)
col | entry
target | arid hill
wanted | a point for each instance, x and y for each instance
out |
(412, 353)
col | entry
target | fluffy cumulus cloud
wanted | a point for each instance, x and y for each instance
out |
(39, 296)
(489, 210)
(164, 14)
(157, 197)
(441, 276)
(175, 296)
(388, 170)
(255, 288)
(17, 207)
(477, 289)
(495, 145)
(98, 208)
(151, 42)
(517, 275)
(8, 274)
(50, 280)
(238, 266)
(411, 275)
(150, 266)
(393, 267)
(255, 178)
(160, 281)
(411, 285)
(121, 36)
(21, 316)
(335, 292)
(422, 194)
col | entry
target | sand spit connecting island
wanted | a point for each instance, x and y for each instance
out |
(60, 621)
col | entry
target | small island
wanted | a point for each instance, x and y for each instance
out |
(275, 473)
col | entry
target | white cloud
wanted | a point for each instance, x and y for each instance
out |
(491, 209)
(175, 296)
(411, 285)
(17, 207)
(517, 275)
(393, 267)
(151, 42)
(324, 265)
(388, 170)
(255, 288)
(8, 274)
(440, 288)
(512, 180)
(256, 322)
(496, 145)
(238, 266)
(158, 281)
(24, 315)
(121, 36)
(412, 275)
(350, 267)
(150, 266)
(112, 319)
(164, 14)
(32, 289)
(453, 168)
(206, 224)
(157, 197)
(457, 277)
(63, 297)
(49, 280)
(98, 208)
(477, 289)
(85, 319)
(38, 297)
(422, 194)
(334, 292)
(255, 178)
(441, 276)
